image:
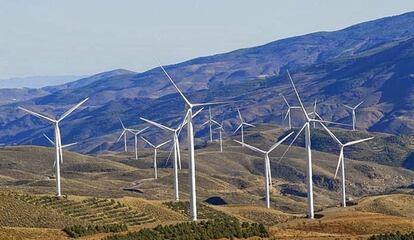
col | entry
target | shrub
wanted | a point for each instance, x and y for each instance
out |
(212, 229)
(393, 236)
(79, 231)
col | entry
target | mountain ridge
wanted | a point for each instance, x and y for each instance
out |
(339, 67)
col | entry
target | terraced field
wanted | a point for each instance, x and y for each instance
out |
(90, 210)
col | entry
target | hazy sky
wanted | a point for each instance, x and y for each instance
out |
(56, 37)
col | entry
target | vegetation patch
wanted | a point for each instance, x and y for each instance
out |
(393, 236)
(80, 231)
(204, 211)
(211, 229)
(91, 211)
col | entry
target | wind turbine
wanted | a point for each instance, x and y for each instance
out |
(176, 147)
(241, 126)
(341, 159)
(221, 130)
(58, 140)
(306, 127)
(288, 112)
(210, 122)
(353, 109)
(124, 133)
(190, 135)
(155, 154)
(63, 146)
(268, 176)
(136, 132)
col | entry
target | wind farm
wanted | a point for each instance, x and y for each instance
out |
(306, 137)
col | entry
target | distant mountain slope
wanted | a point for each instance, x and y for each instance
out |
(370, 61)
(37, 81)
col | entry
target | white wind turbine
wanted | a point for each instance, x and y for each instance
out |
(155, 154)
(63, 147)
(176, 147)
(341, 159)
(288, 112)
(210, 122)
(268, 173)
(353, 109)
(136, 132)
(241, 126)
(58, 140)
(306, 127)
(221, 130)
(190, 135)
(124, 133)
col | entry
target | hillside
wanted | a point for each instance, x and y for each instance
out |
(236, 175)
(363, 62)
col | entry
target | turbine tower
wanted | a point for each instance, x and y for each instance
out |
(221, 130)
(241, 126)
(268, 176)
(288, 112)
(136, 132)
(306, 127)
(210, 122)
(190, 135)
(341, 159)
(155, 154)
(353, 109)
(58, 140)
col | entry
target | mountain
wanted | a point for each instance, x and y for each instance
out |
(37, 81)
(371, 61)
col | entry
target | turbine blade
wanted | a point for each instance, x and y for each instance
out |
(297, 95)
(238, 128)
(215, 122)
(202, 125)
(284, 99)
(278, 143)
(357, 141)
(329, 122)
(248, 124)
(180, 127)
(37, 114)
(152, 145)
(120, 136)
(157, 124)
(199, 111)
(251, 147)
(287, 114)
(347, 106)
(210, 104)
(141, 131)
(294, 139)
(123, 126)
(240, 116)
(162, 144)
(359, 104)
(72, 109)
(176, 88)
(339, 163)
(69, 145)
(50, 140)
(331, 134)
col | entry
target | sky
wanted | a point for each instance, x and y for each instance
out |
(82, 37)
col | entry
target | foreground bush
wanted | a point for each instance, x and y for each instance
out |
(204, 230)
(393, 236)
(79, 231)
